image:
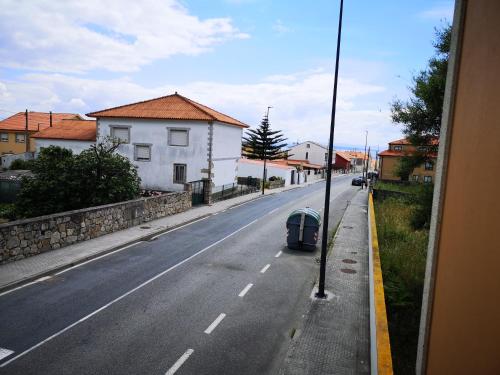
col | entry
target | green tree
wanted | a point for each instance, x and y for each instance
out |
(420, 115)
(264, 143)
(63, 181)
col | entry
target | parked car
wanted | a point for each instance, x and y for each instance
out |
(358, 181)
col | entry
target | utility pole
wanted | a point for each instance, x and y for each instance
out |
(366, 142)
(324, 240)
(265, 156)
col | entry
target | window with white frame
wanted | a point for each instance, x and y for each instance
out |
(427, 178)
(121, 133)
(4, 137)
(415, 177)
(179, 173)
(307, 156)
(429, 165)
(178, 137)
(20, 138)
(398, 148)
(142, 152)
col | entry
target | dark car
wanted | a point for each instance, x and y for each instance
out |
(358, 181)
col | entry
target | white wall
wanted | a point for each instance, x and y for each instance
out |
(226, 150)
(75, 146)
(316, 153)
(246, 169)
(158, 173)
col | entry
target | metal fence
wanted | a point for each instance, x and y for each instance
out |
(9, 190)
(228, 191)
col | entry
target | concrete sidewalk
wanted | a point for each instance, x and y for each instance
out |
(334, 336)
(16, 273)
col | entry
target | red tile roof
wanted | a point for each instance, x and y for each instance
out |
(405, 141)
(348, 155)
(401, 153)
(78, 130)
(36, 120)
(268, 163)
(297, 162)
(343, 155)
(171, 107)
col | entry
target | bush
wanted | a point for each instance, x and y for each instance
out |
(421, 218)
(7, 211)
(63, 181)
(22, 164)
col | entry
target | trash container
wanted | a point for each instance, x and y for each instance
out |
(303, 229)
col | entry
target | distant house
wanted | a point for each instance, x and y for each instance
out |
(342, 161)
(15, 138)
(174, 140)
(254, 168)
(310, 151)
(76, 135)
(389, 160)
(350, 160)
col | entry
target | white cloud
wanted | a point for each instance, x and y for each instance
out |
(301, 101)
(441, 11)
(115, 35)
(280, 28)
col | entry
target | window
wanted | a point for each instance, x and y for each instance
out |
(179, 173)
(142, 152)
(4, 137)
(20, 138)
(326, 156)
(428, 165)
(398, 148)
(121, 133)
(415, 177)
(422, 148)
(308, 145)
(307, 155)
(178, 137)
(427, 178)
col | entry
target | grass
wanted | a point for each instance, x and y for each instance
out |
(6, 212)
(403, 257)
(409, 187)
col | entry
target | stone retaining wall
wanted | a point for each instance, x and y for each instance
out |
(28, 237)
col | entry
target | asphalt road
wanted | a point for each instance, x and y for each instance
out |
(221, 295)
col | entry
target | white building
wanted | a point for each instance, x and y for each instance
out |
(173, 140)
(312, 152)
(76, 135)
(254, 168)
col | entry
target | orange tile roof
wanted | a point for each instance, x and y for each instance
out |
(405, 141)
(343, 155)
(36, 120)
(401, 153)
(297, 162)
(78, 130)
(171, 107)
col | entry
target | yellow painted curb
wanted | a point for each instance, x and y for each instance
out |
(384, 359)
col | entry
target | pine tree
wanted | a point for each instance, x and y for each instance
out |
(264, 144)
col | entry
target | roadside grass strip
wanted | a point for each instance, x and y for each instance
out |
(177, 365)
(214, 324)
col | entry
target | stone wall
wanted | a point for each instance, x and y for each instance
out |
(28, 237)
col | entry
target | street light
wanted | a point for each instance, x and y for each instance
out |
(324, 241)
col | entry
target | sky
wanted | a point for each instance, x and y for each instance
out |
(236, 56)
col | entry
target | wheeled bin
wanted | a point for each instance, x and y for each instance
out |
(303, 229)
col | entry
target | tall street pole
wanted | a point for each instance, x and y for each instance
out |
(364, 159)
(324, 240)
(265, 158)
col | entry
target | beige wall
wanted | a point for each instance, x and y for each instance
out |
(388, 166)
(12, 147)
(464, 326)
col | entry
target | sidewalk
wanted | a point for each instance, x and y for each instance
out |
(334, 337)
(22, 271)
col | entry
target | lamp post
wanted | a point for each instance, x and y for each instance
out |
(324, 241)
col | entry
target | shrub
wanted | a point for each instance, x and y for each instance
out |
(22, 164)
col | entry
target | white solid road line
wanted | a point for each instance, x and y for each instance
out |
(276, 209)
(25, 285)
(245, 290)
(214, 324)
(265, 268)
(172, 370)
(123, 296)
(278, 254)
(5, 353)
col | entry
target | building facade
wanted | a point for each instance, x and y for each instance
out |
(16, 130)
(173, 140)
(312, 152)
(390, 159)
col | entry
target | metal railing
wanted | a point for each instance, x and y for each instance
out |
(228, 191)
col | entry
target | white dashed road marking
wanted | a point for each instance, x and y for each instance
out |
(265, 268)
(278, 255)
(5, 353)
(215, 323)
(245, 290)
(172, 370)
